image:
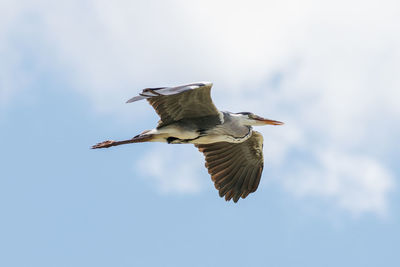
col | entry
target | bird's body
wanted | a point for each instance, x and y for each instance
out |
(225, 127)
(232, 149)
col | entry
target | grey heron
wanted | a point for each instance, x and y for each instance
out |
(233, 150)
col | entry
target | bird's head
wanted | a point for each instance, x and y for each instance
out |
(250, 119)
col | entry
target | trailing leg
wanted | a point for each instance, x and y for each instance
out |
(137, 139)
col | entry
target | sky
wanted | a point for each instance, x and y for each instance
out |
(329, 194)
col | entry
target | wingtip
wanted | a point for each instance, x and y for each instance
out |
(201, 84)
(134, 99)
(208, 84)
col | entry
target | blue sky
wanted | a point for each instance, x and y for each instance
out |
(329, 192)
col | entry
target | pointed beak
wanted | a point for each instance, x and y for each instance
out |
(267, 121)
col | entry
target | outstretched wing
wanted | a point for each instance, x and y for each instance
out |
(176, 103)
(235, 168)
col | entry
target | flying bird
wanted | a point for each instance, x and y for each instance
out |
(233, 150)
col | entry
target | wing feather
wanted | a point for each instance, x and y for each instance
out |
(235, 169)
(176, 103)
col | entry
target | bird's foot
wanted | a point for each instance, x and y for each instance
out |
(104, 144)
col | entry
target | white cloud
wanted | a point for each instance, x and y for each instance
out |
(355, 182)
(174, 169)
(11, 80)
(326, 68)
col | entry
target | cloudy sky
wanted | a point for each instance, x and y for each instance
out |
(329, 192)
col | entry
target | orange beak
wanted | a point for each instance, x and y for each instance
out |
(267, 121)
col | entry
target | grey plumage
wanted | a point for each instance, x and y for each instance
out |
(173, 104)
(232, 150)
(235, 168)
